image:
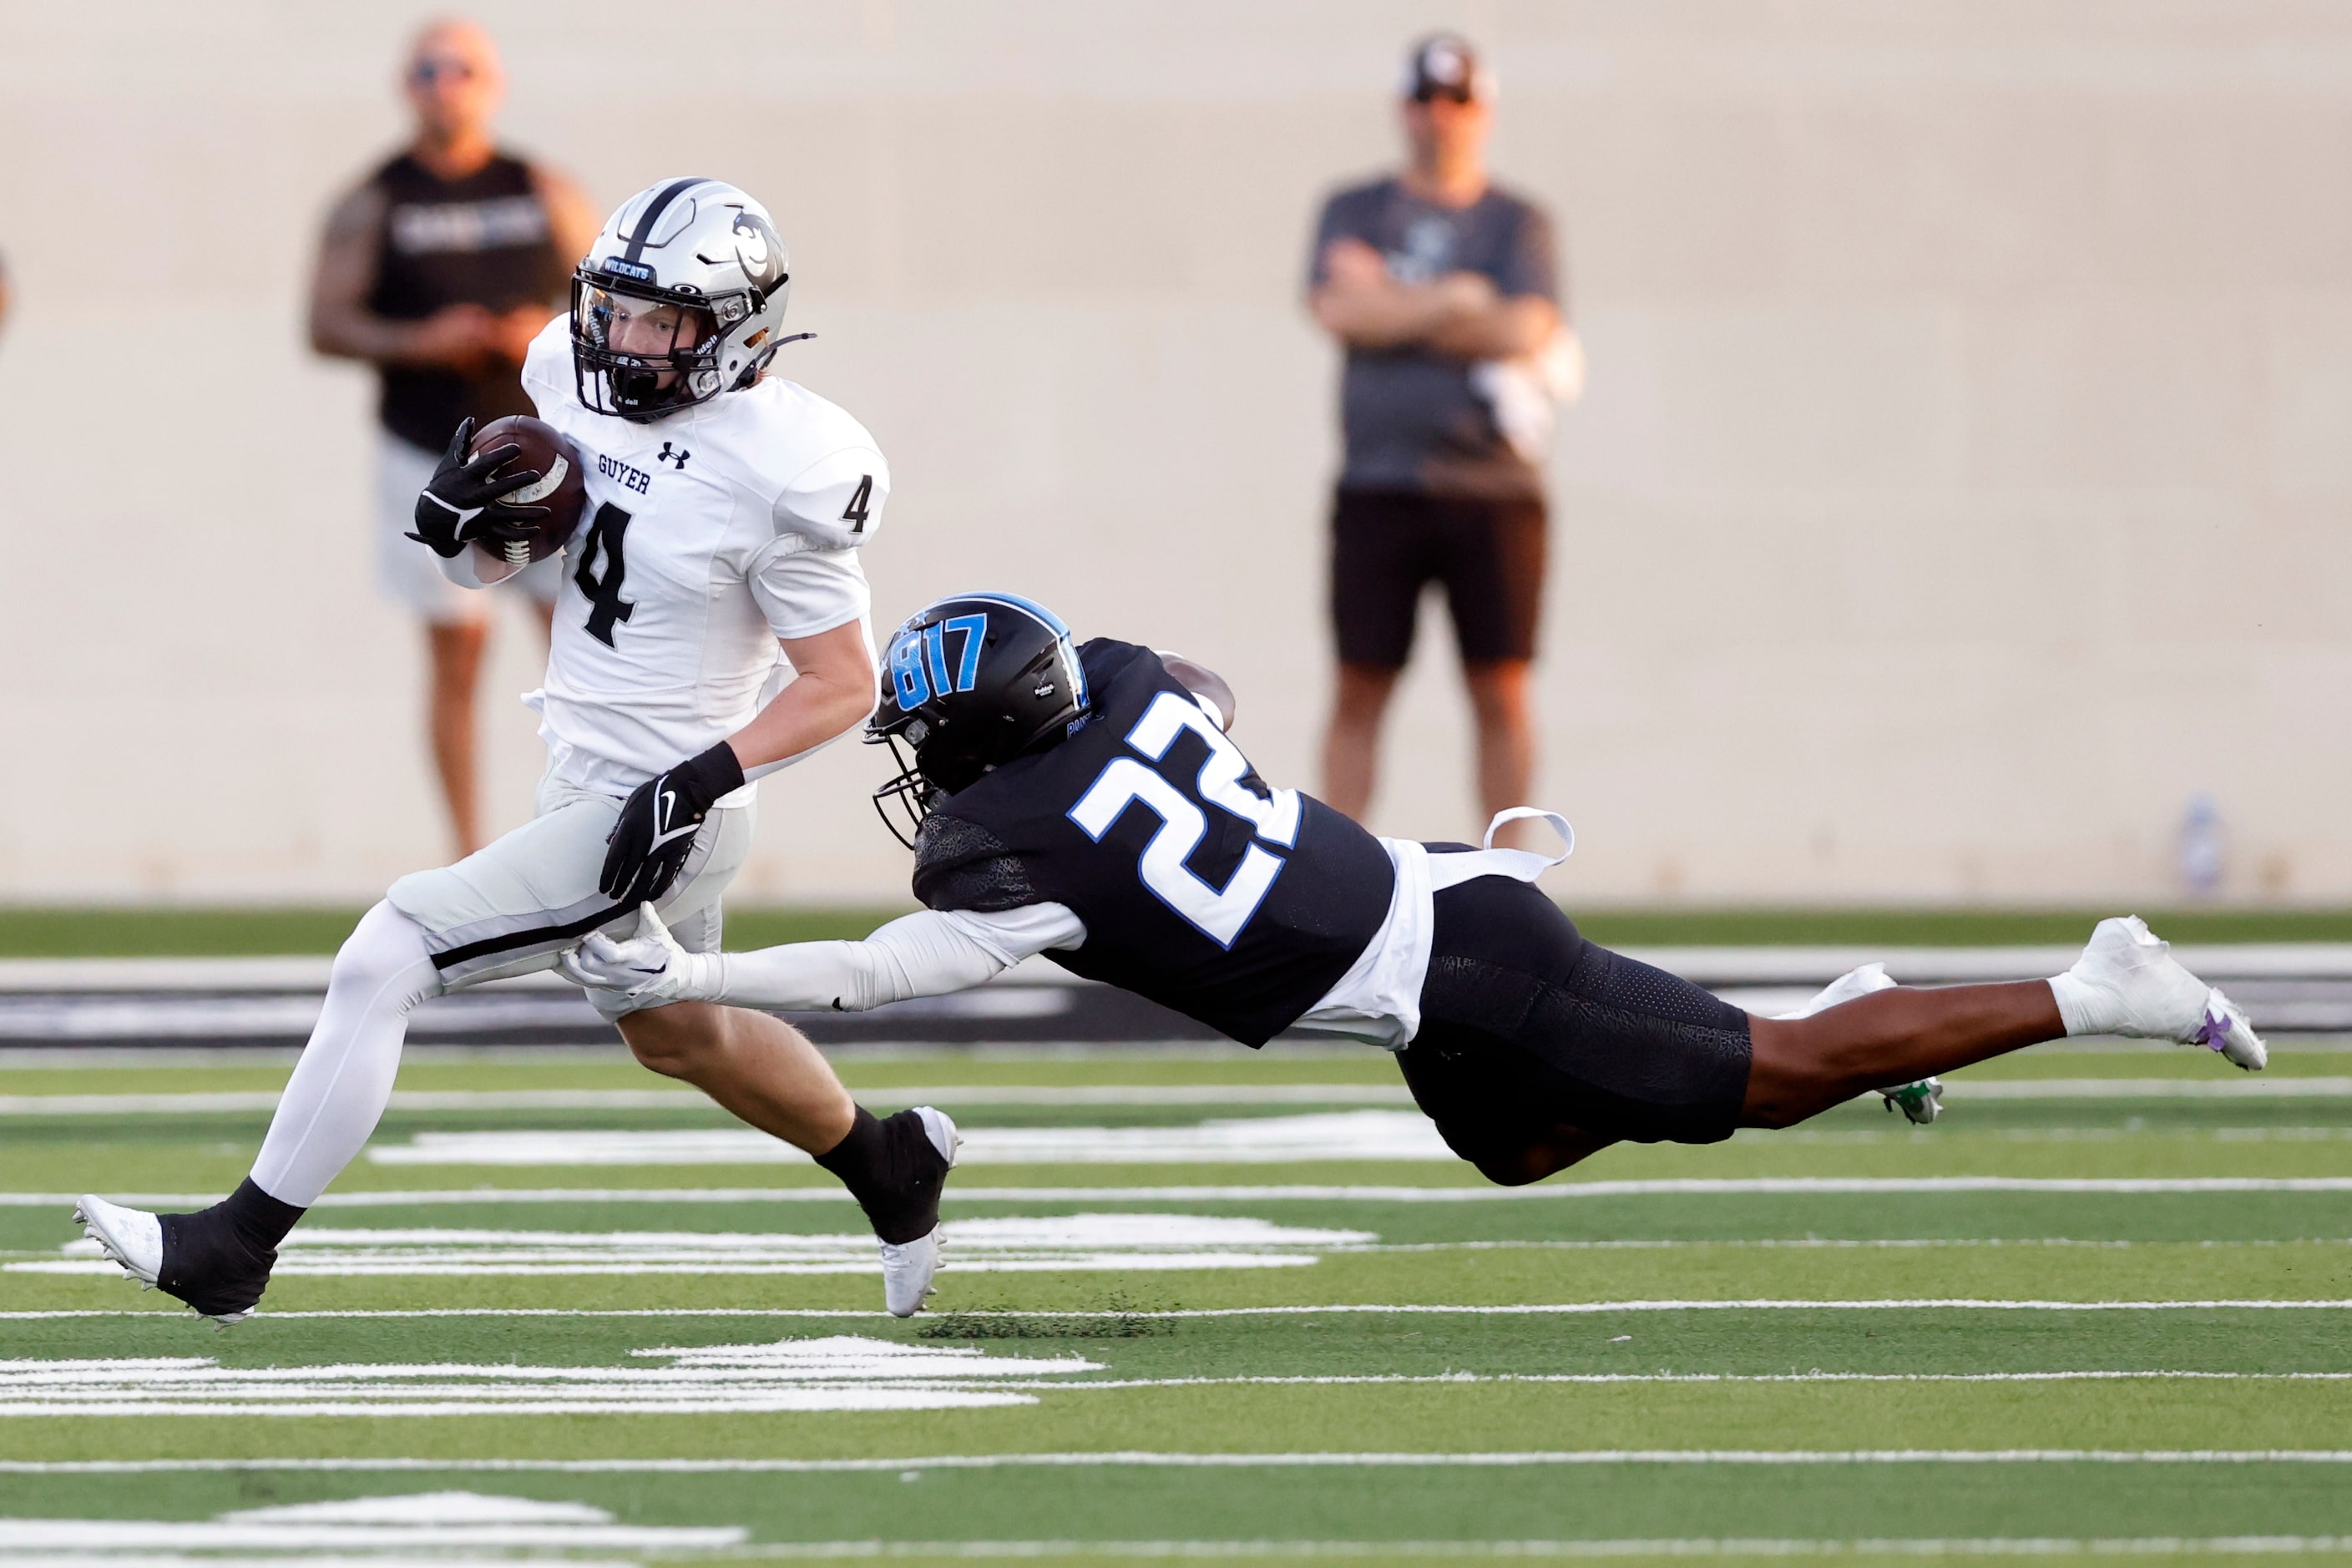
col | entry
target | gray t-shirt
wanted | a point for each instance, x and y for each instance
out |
(1411, 419)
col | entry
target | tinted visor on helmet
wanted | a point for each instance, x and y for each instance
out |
(640, 352)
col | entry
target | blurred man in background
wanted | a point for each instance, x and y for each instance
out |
(1442, 289)
(438, 270)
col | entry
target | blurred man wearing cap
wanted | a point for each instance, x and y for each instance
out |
(1441, 287)
(440, 269)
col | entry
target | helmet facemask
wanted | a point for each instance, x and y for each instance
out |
(640, 352)
(933, 764)
(906, 798)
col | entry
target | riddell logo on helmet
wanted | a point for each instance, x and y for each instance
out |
(628, 269)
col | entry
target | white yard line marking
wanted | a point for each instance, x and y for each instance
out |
(1818, 965)
(1564, 1309)
(2240, 1088)
(949, 1096)
(367, 1554)
(1260, 1140)
(1147, 1460)
(1738, 1186)
(840, 1371)
(427, 1523)
(1903, 1546)
(1571, 1308)
(1604, 1378)
(1118, 1242)
(162, 1386)
(1906, 1546)
(953, 1096)
(1377, 1135)
(337, 1254)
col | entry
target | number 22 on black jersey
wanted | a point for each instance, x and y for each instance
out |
(1219, 913)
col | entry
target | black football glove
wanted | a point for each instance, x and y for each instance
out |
(461, 505)
(649, 844)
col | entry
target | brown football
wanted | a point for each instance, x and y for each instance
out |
(559, 487)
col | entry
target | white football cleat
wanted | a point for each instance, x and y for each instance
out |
(2127, 982)
(1853, 983)
(132, 1239)
(908, 1267)
(906, 1271)
(1922, 1101)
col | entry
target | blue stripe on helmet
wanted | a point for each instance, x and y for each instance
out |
(1018, 603)
(1060, 628)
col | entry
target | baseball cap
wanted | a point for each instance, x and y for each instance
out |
(1443, 65)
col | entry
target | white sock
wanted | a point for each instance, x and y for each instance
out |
(343, 1081)
(2084, 1009)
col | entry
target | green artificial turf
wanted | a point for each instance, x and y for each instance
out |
(1902, 1418)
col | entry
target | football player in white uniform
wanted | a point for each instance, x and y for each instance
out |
(712, 628)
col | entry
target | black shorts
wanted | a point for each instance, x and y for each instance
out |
(1386, 545)
(1525, 1027)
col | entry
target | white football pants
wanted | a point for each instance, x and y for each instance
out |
(343, 1081)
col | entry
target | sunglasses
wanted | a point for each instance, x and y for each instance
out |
(425, 73)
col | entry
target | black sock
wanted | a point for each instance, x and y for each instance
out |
(858, 1158)
(219, 1259)
(259, 1220)
(892, 1169)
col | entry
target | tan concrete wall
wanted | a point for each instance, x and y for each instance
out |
(1963, 480)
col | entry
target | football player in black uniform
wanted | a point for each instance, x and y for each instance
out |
(1087, 804)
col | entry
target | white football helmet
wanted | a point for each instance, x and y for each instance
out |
(678, 300)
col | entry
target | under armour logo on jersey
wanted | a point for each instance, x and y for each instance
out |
(678, 459)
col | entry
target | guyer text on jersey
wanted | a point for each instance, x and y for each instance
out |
(627, 476)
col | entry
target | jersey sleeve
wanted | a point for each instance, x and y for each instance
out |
(835, 503)
(804, 590)
(925, 954)
(1015, 934)
(547, 366)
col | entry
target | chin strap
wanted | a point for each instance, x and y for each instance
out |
(1446, 868)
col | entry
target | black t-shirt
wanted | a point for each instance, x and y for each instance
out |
(1412, 418)
(1200, 888)
(483, 240)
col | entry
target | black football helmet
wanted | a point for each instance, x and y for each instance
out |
(970, 682)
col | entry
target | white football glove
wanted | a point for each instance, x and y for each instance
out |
(650, 968)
